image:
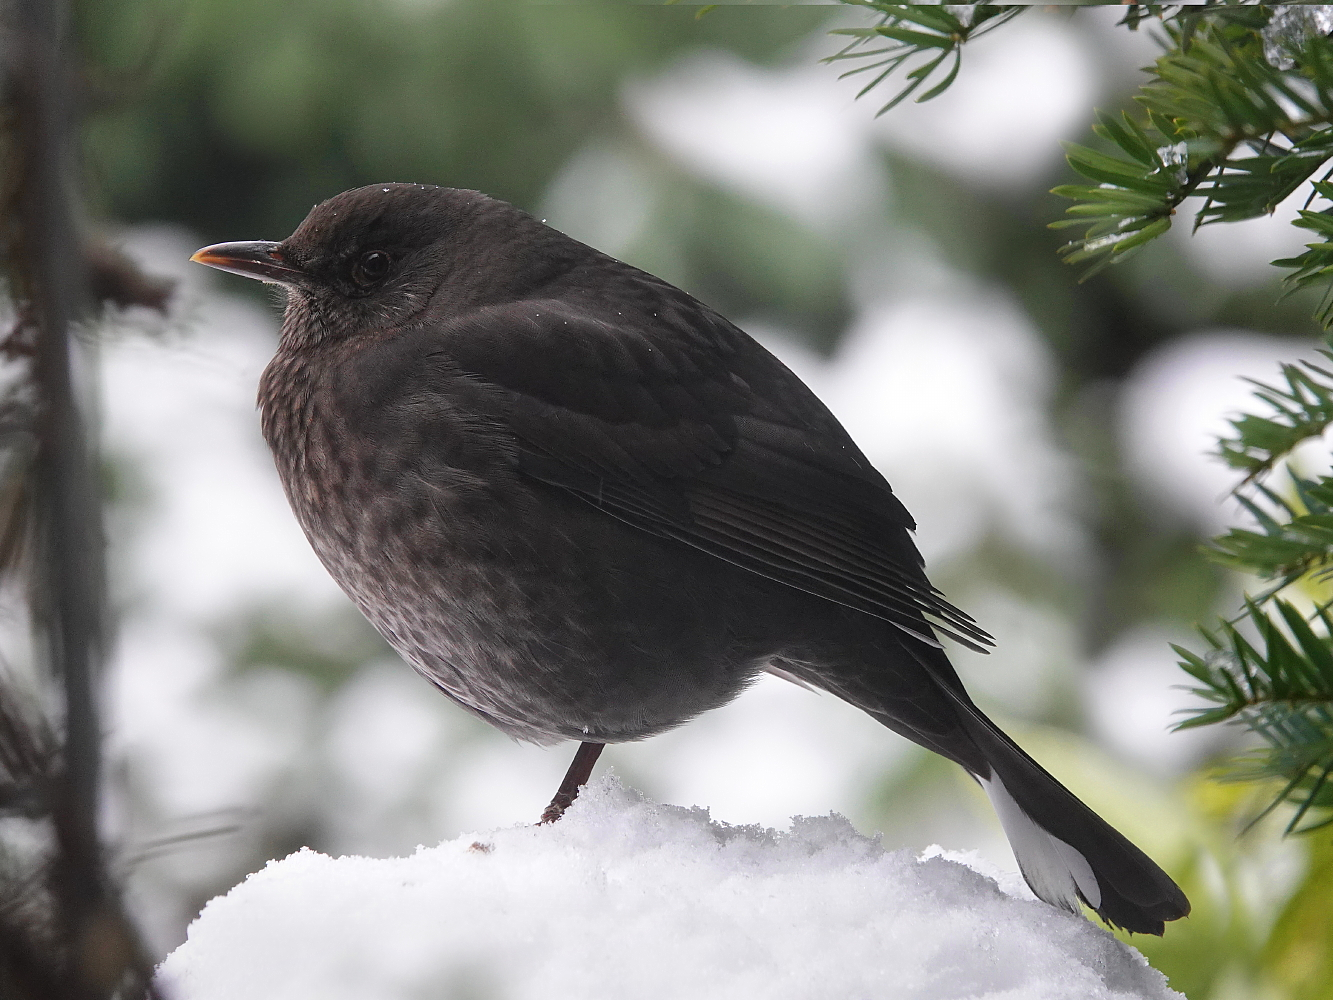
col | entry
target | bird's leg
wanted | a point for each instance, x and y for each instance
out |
(575, 778)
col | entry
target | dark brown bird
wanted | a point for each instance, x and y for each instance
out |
(586, 506)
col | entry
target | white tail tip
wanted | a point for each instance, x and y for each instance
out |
(1056, 871)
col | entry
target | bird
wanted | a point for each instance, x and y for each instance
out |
(586, 506)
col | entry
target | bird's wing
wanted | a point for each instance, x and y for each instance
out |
(685, 427)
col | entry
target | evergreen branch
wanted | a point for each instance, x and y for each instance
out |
(1284, 694)
(1282, 688)
(1238, 109)
(935, 33)
(1135, 195)
(1316, 264)
(1300, 411)
(1221, 121)
(1244, 111)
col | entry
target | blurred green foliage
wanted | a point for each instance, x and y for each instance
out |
(327, 646)
(241, 115)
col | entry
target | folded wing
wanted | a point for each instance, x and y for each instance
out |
(685, 427)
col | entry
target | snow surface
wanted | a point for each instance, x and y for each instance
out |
(627, 898)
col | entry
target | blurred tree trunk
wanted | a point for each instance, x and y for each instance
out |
(77, 942)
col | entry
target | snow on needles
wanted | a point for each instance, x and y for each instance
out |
(627, 898)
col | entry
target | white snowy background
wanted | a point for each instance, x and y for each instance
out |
(946, 385)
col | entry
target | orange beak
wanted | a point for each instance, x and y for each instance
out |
(258, 259)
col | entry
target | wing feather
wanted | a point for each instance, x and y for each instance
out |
(697, 434)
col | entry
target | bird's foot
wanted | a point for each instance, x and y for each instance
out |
(575, 778)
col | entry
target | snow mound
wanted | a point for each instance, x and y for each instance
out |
(626, 898)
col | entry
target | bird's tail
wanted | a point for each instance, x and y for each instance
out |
(1065, 851)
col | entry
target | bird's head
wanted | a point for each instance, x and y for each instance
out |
(368, 260)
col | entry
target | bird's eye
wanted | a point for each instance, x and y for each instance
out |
(371, 268)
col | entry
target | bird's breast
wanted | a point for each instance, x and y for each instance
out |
(527, 605)
(425, 526)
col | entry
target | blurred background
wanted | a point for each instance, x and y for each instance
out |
(1051, 438)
